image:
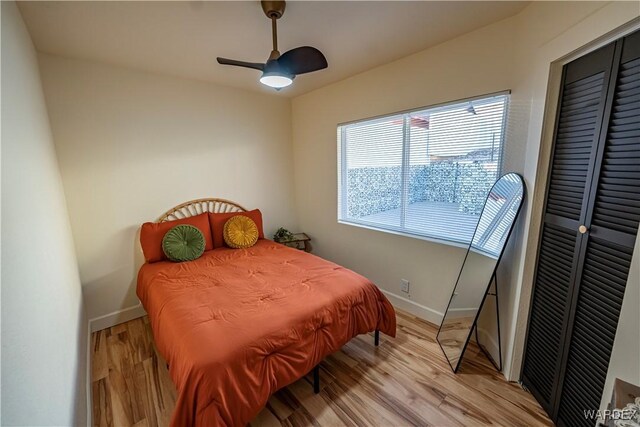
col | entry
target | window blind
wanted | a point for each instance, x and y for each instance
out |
(424, 172)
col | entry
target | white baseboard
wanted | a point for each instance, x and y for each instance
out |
(418, 310)
(457, 313)
(115, 318)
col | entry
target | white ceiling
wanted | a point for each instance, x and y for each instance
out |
(184, 38)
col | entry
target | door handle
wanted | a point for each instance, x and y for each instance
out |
(583, 229)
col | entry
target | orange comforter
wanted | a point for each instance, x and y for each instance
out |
(236, 325)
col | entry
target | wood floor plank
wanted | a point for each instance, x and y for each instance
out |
(161, 396)
(118, 329)
(284, 403)
(120, 401)
(464, 413)
(140, 342)
(343, 406)
(266, 419)
(389, 397)
(101, 403)
(315, 404)
(120, 380)
(100, 357)
(140, 381)
(404, 381)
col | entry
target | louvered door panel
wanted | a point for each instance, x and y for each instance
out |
(576, 130)
(546, 322)
(604, 278)
(617, 204)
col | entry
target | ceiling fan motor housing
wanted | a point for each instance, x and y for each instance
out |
(273, 9)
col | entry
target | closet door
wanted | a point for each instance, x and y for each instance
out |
(590, 225)
(578, 127)
(608, 241)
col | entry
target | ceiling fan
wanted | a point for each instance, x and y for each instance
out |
(280, 70)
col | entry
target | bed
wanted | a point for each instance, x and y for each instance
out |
(236, 325)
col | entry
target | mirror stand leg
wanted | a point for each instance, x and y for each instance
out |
(498, 365)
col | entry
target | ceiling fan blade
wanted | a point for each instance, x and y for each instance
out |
(254, 65)
(302, 60)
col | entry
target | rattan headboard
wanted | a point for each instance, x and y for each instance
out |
(198, 206)
(186, 210)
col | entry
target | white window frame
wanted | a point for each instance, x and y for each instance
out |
(387, 228)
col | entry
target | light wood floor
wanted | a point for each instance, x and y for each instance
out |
(405, 381)
(453, 336)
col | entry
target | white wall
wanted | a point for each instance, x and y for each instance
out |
(132, 145)
(625, 357)
(43, 327)
(414, 81)
(512, 54)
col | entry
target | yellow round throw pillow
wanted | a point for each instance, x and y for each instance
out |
(240, 232)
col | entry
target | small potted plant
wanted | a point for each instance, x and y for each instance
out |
(283, 235)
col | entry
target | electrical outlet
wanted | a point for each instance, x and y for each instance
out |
(404, 285)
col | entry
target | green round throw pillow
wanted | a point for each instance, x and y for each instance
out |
(183, 243)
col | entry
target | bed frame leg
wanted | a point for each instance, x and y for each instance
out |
(376, 338)
(316, 379)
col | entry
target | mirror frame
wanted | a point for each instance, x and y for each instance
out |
(475, 320)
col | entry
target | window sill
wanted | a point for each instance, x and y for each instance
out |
(456, 244)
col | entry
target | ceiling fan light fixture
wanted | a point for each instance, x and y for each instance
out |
(276, 80)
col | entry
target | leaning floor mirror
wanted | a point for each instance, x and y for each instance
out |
(494, 227)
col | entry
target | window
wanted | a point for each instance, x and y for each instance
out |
(424, 172)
